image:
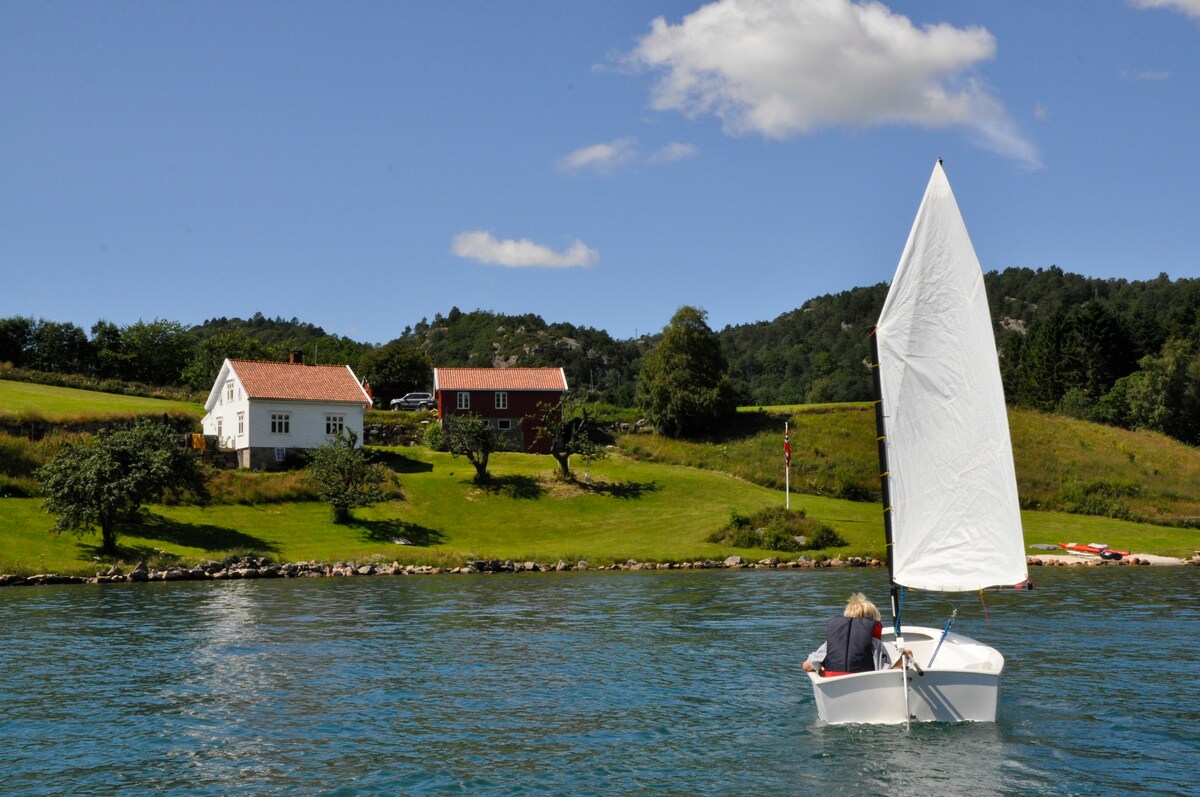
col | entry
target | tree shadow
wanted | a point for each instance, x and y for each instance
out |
(195, 535)
(513, 486)
(397, 531)
(399, 463)
(739, 426)
(626, 490)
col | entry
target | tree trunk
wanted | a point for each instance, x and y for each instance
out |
(563, 460)
(480, 463)
(341, 514)
(108, 537)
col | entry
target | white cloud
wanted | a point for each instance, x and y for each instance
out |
(1145, 74)
(486, 248)
(675, 151)
(601, 158)
(1188, 7)
(793, 67)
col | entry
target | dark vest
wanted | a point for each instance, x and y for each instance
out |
(848, 645)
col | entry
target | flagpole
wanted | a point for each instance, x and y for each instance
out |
(787, 469)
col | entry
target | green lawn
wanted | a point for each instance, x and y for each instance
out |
(27, 400)
(631, 510)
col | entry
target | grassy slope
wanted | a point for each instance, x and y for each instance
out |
(44, 402)
(630, 510)
(643, 510)
(1062, 464)
(646, 511)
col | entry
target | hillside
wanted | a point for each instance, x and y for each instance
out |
(639, 510)
(1057, 333)
(1062, 464)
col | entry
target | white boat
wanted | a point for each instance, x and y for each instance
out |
(951, 513)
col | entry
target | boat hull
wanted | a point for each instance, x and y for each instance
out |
(962, 685)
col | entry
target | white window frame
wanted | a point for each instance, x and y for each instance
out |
(503, 424)
(229, 390)
(241, 418)
(501, 399)
(281, 423)
(280, 454)
(464, 400)
(335, 424)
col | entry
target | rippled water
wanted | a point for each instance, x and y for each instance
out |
(578, 683)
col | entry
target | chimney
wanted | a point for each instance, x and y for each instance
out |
(296, 357)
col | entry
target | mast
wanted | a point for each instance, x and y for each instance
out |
(884, 480)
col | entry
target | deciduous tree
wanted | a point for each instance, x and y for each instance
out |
(395, 369)
(104, 481)
(344, 476)
(566, 425)
(684, 386)
(474, 438)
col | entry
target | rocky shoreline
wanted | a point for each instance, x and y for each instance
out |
(251, 567)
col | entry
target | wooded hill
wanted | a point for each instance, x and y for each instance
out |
(1120, 352)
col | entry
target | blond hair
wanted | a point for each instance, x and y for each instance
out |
(859, 606)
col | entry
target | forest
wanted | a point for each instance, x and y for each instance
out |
(1125, 353)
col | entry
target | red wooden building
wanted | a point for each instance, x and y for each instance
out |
(507, 397)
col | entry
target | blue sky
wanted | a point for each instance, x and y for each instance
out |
(363, 165)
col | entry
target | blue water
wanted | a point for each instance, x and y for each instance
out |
(577, 683)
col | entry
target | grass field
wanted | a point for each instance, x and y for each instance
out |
(27, 401)
(643, 511)
(1062, 464)
(654, 500)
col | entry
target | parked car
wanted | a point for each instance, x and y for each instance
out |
(414, 401)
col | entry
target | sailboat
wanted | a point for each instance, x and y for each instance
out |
(951, 515)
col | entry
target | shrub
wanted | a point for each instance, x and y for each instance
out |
(435, 438)
(1100, 498)
(776, 529)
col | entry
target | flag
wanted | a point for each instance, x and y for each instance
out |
(787, 449)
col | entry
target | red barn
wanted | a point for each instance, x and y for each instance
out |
(507, 397)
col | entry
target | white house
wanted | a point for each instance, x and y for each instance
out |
(263, 410)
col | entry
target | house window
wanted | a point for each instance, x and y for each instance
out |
(334, 424)
(501, 400)
(504, 423)
(280, 454)
(241, 423)
(220, 423)
(229, 390)
(464, 400)
(281, 422)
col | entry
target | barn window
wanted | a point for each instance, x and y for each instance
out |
(464, 400)
(501, 400)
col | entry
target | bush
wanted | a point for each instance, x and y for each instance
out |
(435, 438)
(776, 529)
(1100, 498)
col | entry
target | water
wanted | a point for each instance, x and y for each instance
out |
(597, 683)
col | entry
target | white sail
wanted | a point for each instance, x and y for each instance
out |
(956, 522)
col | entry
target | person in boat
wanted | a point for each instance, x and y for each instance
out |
(852, 642)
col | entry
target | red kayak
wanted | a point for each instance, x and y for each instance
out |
(1094, 549)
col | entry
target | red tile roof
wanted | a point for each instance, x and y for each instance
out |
(499, 379)
(262, 380)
